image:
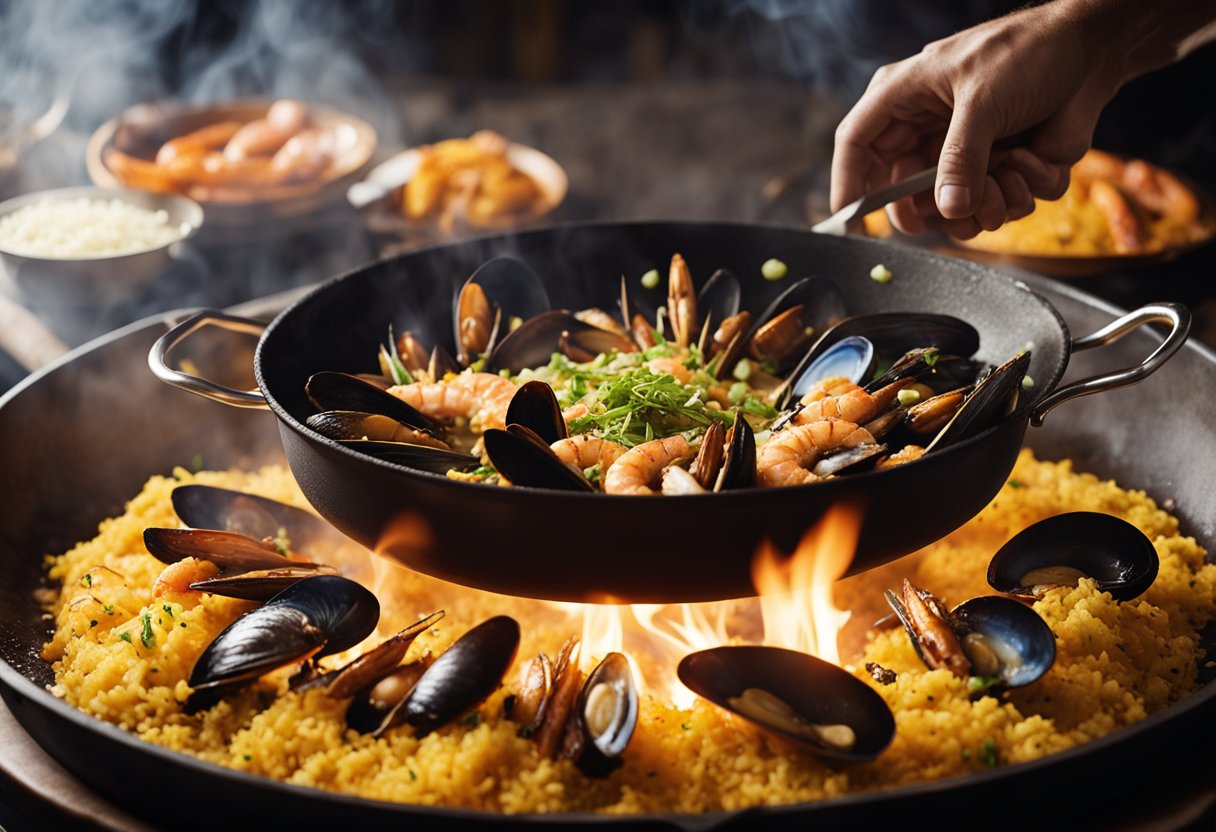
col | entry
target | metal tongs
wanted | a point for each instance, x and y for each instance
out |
(849, 217)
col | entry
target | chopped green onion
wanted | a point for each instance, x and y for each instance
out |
(981, 684)
(514, 323)
(167, 609)
(988, 753)
(737, 392)
(881, 274)
(774, 269)
(743, 370)
(1027, 383)
(1016, 484)
(282, 543)
(907, 398)
(650, 280)
(125, 637)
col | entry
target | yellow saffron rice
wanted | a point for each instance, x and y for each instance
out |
(123, 656)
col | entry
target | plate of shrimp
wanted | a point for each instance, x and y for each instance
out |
(237, 159)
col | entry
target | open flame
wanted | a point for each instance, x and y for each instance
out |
(794, 608)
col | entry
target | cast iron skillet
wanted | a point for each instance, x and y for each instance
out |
(80, 438)
(577, 546)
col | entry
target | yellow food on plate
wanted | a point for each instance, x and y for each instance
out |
(470, 180)
(123, 654)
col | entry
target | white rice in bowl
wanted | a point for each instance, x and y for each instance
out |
(83, 227)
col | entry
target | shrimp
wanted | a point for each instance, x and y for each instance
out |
(174, 581)
(584, 450)
(671, 367)
(1160, 192)
(831, 386)
(855, 406)
(637, 468)
(575, 411)
(786, 458)
(482, 398)
(1125, 226)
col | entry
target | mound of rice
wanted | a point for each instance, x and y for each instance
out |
(124, 656)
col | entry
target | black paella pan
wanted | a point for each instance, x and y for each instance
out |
(580, 546)
(80, 438)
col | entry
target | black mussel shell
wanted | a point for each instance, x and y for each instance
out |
(535, 406)
(852, 357)
(461, 679)
(893, 334)
(606, 715)
(375, 664)
(818, 692)
(1010, 632)
(313, 617)
(441, 363)
(521, 456)
(718, 300)
(329, 390)
(987, 404)
(419, 457)
(373, 710)
(261, 584)
(351, 425)
(848, 458)
(585, 342)
(1101, 546)
(739, 460)
(533, 342)
(823, 305)
(208, 507)
(233, 553)
(509, 284)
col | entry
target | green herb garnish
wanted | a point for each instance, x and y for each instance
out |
(87, 580)
(282, 543)
(650, 280)
(471, 718)
(687, 726)
(147, 636)
(988, 753)
(774, 269)
(196, 462)
(125, 637)
(931, 357)
(1016, 484)
(981, 684)
(413, 775)
(167, 609)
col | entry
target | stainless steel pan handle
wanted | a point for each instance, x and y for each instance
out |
(1174, 314)
(158, 358)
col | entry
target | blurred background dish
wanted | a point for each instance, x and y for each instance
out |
(91, 244)
(482, 182)
(295, 158)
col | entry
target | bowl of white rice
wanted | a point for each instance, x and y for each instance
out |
(91, 242)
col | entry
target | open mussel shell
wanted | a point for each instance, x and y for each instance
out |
(510, 290)
(718, 300)
(606, 714)
(329, 390)
(1061, 549)
(351, 425)
(804, 699)
(377, 708)
(521, 456)
(232, 552)
(261, 584)
(313, 617)
(893, 334)
(533, 342)
(535, 406)
(739, 459)
(795, 318)
(375, 664)
(461, 679)
(848, 459)
(208, 507)
(990, 401)
(418, 457)
(1005, 639)
(852, 358)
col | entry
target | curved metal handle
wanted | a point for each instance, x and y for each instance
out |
(1174, 314)
(157, 359)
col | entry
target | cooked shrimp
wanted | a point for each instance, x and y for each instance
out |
(831, 386)
(638, 468)
(1125, 228)
(175, 579)
(787, 457)
(482, 398)
(584, 450)
(670, 366)
(575, 411)
(855, 406)
(908, 453)
(1160, 192)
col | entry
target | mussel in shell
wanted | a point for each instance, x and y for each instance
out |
(313, 617)
(501, 291)
(990, 638)
(329, 390)
(535, 407)
(605, 717)
(1061, 550)
(797, 696)
(208, 507)
(463, 676)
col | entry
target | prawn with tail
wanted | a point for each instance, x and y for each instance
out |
(636, 470)
(786, 459)
(482, 398)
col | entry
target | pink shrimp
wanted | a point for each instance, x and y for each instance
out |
(787, 457)
(831, 386)
(638, 468)
(855, 406)
(584, 451)
(670, 366)
(482, 398)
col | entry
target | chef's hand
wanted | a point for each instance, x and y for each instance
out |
(1038, 78)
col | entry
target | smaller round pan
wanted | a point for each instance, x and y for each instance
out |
(589, 547)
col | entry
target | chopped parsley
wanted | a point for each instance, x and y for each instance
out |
(687, 726)
(931, 357)
(413, 774)
(1016, 484)
(247, 757)
(146, 635)
(125, 637)
(282, 543)
(471, 718)
(87, 580)
(167, 609)
(108, 609)
(92, 623)
(196, 462)
(988, 753)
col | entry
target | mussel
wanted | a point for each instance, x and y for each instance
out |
(1060, 550)
(535, 407)
(500, 293)
(460, 679)
(208, 507)
(313, 617)
(255, 570)
(329, 390)
(798, 316)
(521, 456)
(797, 696)
(989, 638)
(991, 400)
(605, 717)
